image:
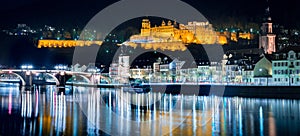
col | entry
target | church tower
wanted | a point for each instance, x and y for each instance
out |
(267, 38)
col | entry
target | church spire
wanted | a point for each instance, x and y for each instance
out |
(267, 38)
(267, 13)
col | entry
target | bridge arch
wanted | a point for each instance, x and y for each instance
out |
(19, 76)
(53, 76)
(80, 76)
(85, 78)
(106, 78)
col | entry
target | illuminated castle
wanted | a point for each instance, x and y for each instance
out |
(194, 32)
(171, 36)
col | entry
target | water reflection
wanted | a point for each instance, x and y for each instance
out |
(93, 111)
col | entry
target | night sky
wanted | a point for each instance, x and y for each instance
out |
(70, 13)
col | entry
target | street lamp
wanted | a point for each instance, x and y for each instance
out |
(26, 67)
(60, 67)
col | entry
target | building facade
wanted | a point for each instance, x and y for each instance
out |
(286, 68)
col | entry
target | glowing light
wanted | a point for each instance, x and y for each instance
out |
(62, 73)
(9, 102)
(26, 67)
(261, 121)
(70, 43)
(27, 73)
(61, 67)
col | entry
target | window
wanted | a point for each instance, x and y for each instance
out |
(275, 79)
(286, 63)
(275, 64)
(297, 63)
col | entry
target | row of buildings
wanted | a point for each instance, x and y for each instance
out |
(282, 68)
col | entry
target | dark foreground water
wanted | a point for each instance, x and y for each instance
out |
(94, 111)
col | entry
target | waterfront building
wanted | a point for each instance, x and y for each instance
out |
(203, 73)
(263, 72)
(286, 67)
(164, 73)
(141, 73)
(123, 68)
(156, 67)
(239, 68)
(113, 70)
(167, 72)
(232, 73)
(120, 71)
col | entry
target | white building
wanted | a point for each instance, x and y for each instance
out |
(113, 70)
(286, 68)
(141, 73)
(123, 68)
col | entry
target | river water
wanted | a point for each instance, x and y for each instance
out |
(102, 111)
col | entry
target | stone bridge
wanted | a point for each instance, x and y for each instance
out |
(59, 77)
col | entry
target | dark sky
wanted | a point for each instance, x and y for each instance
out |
(72, 13)
(62, 13)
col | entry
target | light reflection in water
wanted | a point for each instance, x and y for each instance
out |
(90, 111)
(261, 121)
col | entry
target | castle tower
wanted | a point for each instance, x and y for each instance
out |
(146, 25)
(267, 38)
(169, 23)
(163, 23)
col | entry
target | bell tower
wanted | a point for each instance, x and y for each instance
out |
(267, 38)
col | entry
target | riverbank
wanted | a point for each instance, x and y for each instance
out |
(279, 92)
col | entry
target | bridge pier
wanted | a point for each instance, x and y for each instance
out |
(62, 78)
(62, 81)
(28, 81)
